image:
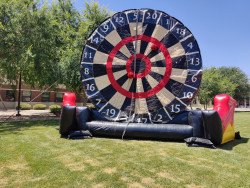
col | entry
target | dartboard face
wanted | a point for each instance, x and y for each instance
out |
(141, 64)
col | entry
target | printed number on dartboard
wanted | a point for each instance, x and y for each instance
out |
(105, 28)
(110, 112)
(195, 61)
(142, 120)
(159, 118)
(175, 108)
(119, 20)
(151, 16)
(86, 71)
(87, 55)
(90, 87)
(188, 95)
(181, 31)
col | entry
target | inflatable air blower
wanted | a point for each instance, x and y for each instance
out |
(225, 106)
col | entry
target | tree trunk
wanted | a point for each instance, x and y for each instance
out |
(19, 95)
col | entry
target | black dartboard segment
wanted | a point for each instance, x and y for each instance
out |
(142, 65)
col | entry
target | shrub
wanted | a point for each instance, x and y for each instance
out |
(55, 109)
(39, 107)
(24, 106)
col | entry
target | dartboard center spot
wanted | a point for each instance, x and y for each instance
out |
(138, 66)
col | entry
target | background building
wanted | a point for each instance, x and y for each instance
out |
(9, 96)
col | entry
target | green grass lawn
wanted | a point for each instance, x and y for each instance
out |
(32, 154)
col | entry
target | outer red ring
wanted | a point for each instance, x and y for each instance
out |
(147, 68)
(154, 90)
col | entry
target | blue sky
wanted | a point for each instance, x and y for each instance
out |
(221, 27)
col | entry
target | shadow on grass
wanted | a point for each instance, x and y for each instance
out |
(16, 127)
(128, 139)
(230, 145)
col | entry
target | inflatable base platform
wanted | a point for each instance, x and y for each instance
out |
(196, 127)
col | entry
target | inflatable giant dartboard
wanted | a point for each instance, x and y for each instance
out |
(143, 64)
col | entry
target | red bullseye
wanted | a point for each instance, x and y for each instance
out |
(143, 58)
(154, 90)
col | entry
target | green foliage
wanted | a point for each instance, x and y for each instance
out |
(28, 42)
(238, 77)
(214, 83)
(55, 108)
(93, 16)
(25, 106)
(39, 107)
(230, 80)
(44, 41)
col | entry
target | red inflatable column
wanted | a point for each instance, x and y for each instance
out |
(225, 105)
(69, 99)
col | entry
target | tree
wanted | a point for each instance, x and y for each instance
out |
(14, 48)
(238, 77)
(43, 42)
(28, 42)
(212, 84)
